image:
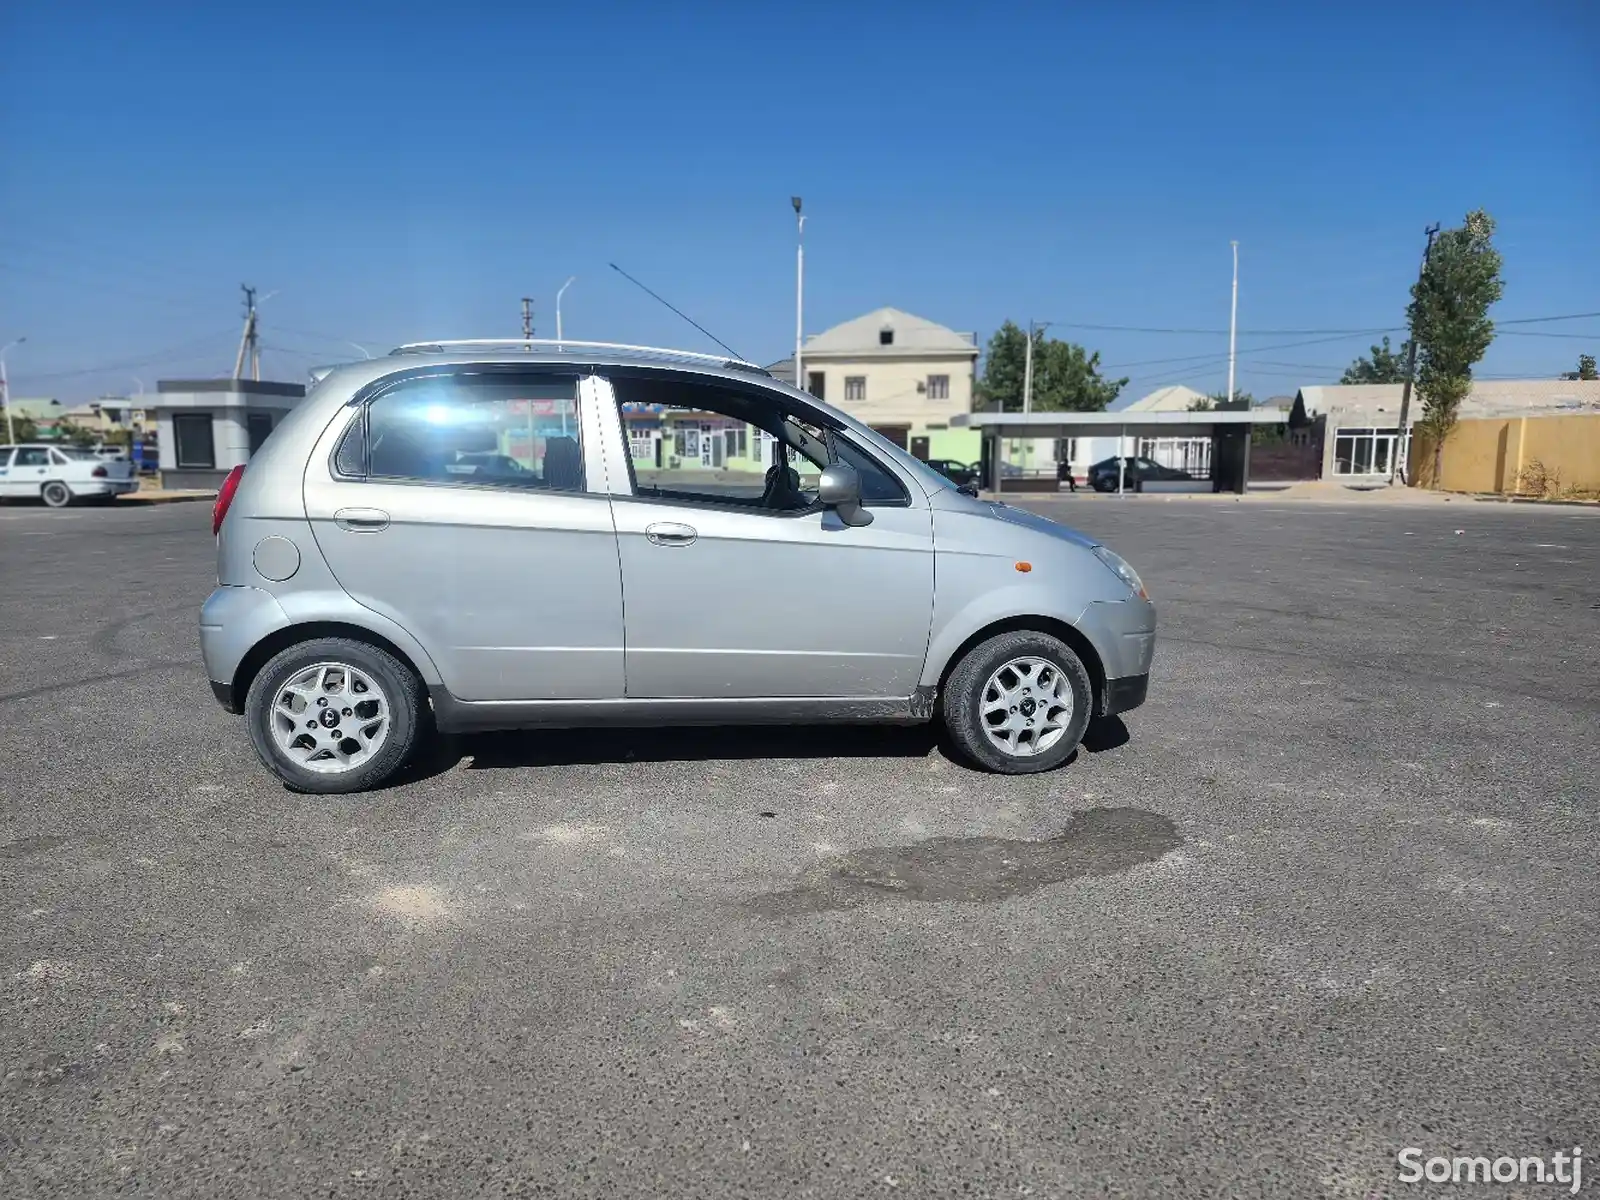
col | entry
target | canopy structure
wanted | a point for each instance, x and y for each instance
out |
(1228, 430)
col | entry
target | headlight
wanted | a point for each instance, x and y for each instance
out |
(1121, 569)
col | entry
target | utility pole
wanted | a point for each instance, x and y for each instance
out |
(1233, 322)
(5, 390)
(527, 321)
(799, 292)
(1402, 439)
(249, 342)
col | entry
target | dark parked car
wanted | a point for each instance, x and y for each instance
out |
(1136, 472)
(957, 473)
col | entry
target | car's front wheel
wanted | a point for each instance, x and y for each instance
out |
(335, 715)
(1018, 703)
(56, 494)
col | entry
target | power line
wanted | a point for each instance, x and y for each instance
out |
(126, 364)
(1576, 337)
(1299, 332)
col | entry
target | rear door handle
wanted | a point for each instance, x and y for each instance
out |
(361, 520)
(671, 533)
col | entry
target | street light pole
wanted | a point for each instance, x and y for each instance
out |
(799, 290)
(5, 390)
(1027, 384)
(1233, 321)
(559, 291)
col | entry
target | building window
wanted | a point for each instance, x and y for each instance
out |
(938, 387)
(855, 388)
(1367, 451)
(191, 436)
(818, 378)
(886, 336)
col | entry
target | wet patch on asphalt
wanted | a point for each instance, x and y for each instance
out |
(1101, 841)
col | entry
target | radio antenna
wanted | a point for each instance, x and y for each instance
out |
(680, 312)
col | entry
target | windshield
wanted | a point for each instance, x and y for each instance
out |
(74, 452)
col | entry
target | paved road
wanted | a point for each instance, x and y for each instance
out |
(1335, 896)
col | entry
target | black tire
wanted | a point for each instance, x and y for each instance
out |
(1102, 484)
(963, 701)
(56, 494)
(408, 720)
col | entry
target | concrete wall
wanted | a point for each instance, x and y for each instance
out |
(1495, 455)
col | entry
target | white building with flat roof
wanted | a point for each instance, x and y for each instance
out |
(206, 427)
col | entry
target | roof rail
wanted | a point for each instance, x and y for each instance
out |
(661, 352)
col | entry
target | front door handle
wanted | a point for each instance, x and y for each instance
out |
(671, 533)
(361, 520)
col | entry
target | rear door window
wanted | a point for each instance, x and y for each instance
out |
(472, 431)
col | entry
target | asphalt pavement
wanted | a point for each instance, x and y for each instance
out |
(1331, 893)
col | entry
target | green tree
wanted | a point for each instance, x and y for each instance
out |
(1066, 377)
(1202, 404)
(1384, 366)
(26, 429)
(1586, 369)
(78, 435)
(1449, 316)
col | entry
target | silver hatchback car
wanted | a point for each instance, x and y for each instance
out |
(473, 536)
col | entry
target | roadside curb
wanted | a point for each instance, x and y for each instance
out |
(165, 497)
(1536, 500)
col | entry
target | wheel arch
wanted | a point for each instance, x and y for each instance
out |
(291, 635)
(1055, 627)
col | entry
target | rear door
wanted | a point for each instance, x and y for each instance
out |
(739, 588)
(461, 504)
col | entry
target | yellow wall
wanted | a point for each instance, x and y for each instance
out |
(1493, 454)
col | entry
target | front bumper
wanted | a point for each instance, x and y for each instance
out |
(1123, 633)
(1122, 695)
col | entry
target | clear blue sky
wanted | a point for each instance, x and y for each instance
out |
(399, 175)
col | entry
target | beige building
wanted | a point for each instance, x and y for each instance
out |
(1360, 423)
(904, 375)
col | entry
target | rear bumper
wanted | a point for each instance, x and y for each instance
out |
(103, 487)
(232, 621)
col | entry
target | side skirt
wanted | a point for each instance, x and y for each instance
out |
(464, 716)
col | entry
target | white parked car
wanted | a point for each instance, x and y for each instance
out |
(58, 475)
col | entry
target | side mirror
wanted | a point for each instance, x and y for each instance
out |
(839, 488)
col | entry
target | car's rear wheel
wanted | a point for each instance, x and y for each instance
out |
(1102, 484)
(56, 494)
(335, 715)
(1018, 703)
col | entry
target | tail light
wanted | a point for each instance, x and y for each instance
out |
(230, 485)
(98, 472)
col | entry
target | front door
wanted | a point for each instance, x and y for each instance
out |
(463, 510)
(27, 472)
(737, 589)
